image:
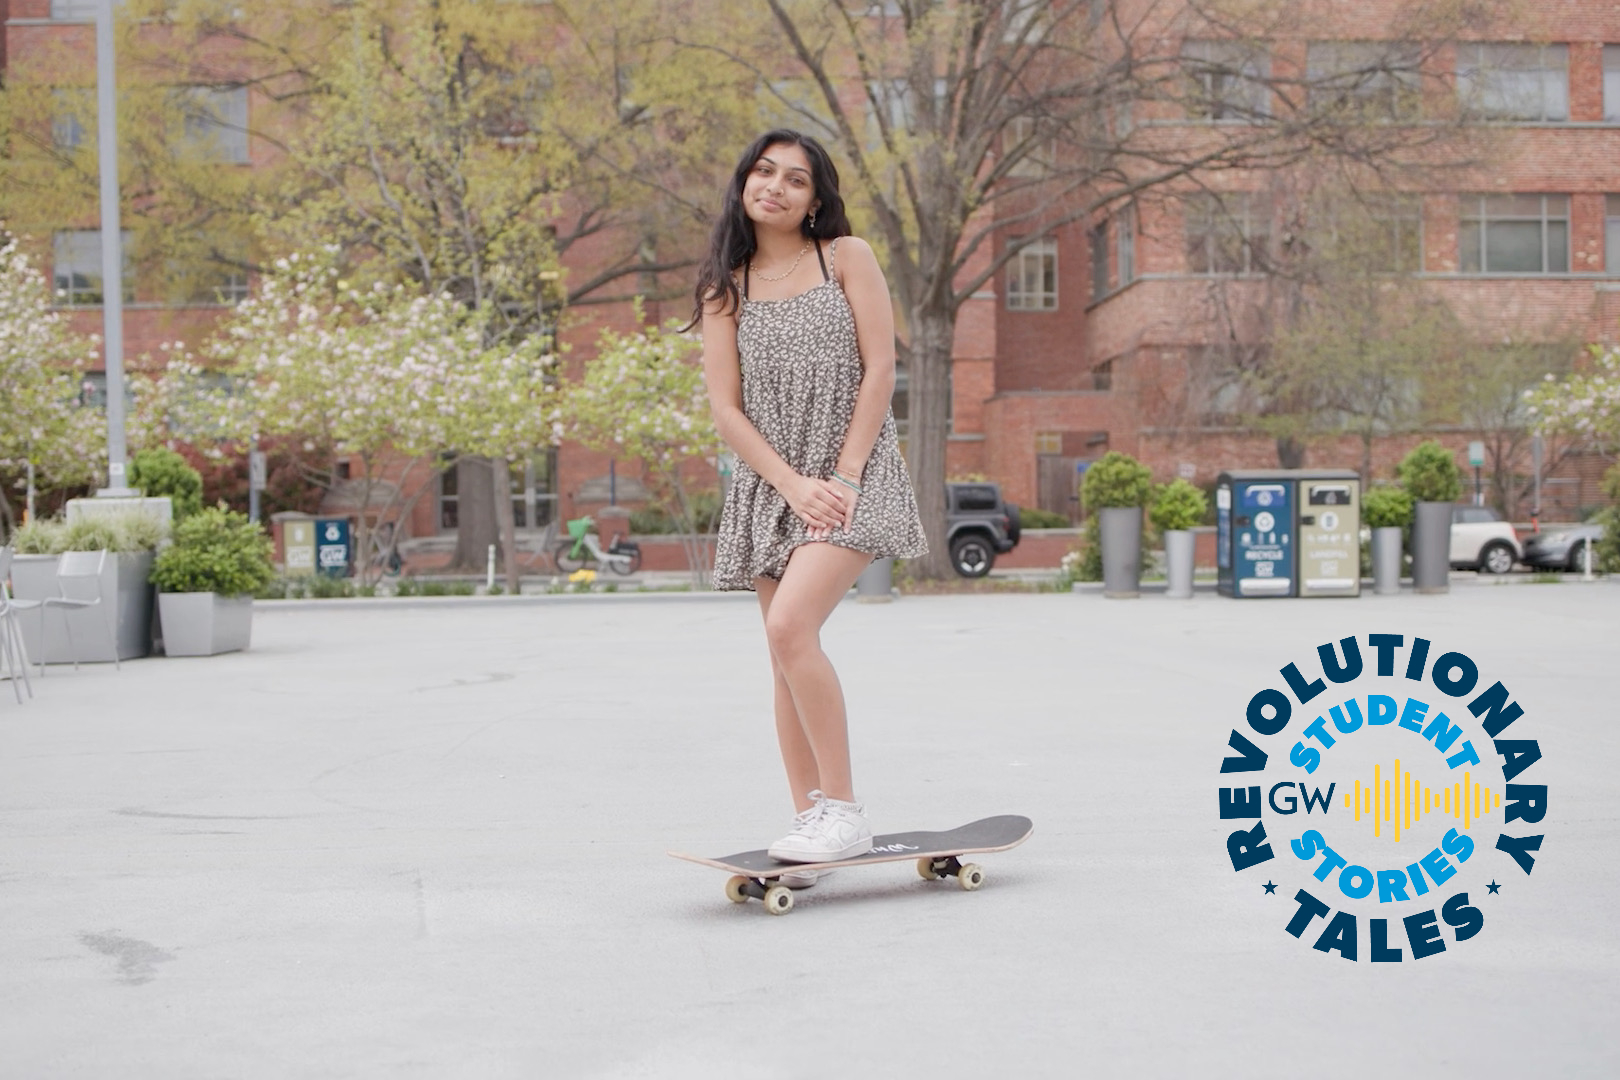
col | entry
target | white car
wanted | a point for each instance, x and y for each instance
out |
(1481, 540)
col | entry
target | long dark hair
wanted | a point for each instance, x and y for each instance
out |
(733, 243)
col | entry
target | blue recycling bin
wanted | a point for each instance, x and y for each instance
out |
(1256, 533)
(333, 551)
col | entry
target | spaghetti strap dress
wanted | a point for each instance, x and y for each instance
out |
(801, 370)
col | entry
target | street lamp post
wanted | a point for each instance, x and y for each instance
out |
(112, 254)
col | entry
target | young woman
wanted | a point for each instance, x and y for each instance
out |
(798, 352)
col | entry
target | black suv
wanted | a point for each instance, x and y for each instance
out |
(978, 527)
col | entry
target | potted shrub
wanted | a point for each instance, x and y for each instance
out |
(1431, 476)
(1177, 507)
(164, 472)
(206, 580)
(1387, 511)
(131, 538)
(1115, 488)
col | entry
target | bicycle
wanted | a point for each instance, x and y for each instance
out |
(582, 546)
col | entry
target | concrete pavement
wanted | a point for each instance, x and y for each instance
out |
(429, 842)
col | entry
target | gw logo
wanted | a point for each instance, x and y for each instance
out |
(1245, 802)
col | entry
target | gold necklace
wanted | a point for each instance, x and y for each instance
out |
(785, 273)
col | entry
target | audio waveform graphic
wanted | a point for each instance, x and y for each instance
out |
(1399, 800)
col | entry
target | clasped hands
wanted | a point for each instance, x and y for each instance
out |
(824, 505)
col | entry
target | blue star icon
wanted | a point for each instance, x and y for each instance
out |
(1493, 887)
(1270, 888)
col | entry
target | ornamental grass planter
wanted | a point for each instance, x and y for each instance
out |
(1431, 547)
(205, 624)
(1120, 529)
(1386, 560)
(125, 608)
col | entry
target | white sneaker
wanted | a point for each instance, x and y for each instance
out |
(830, 830)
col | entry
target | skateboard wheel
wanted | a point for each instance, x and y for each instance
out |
(970, 877)
(737, 889)
(778, 899)
(925, 870)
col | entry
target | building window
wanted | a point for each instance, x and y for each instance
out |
(1226, 235)
(1032, 278)
(71, 110)
(1227, 80)
(1098, 241)
(1514, 234)
(1102, 376)
(900, 402)
(1125, 243)
(1038, 154)
(449, 495)
(74, 10)
(1611, 235)
(1611, 83)
(1380, 232)
(534, 491)
(1514, 82)
(215, 123)
(1049, 442)
(77, 267)
(1373, 80)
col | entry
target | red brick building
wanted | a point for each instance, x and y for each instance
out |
(1103, 337)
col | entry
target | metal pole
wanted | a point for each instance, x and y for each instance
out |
(112, 254)
(1536, 452)
(1479, 495)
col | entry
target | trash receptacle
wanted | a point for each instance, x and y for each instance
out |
(297, 533)
(332, 554)
(1329, 533)
(1255, 533)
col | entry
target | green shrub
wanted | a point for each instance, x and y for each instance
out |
(651, 521)
(164, 472)
(41, 536)
(657, 520)
(1178, 505)
(140, 531)
(1606, 552)
(1033, 517)
(92, 533)
(1116, 479)
(1430, 473)
(215, 550)
(1386, 506)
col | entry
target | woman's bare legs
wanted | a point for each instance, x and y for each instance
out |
(811, 724)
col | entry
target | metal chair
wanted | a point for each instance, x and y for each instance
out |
(12, 657)
(80, 572)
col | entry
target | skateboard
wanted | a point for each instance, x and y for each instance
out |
(937, 855)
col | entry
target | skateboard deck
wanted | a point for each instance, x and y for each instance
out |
(937, 855)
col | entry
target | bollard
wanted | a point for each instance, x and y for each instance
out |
(489, 570)
(875, 583)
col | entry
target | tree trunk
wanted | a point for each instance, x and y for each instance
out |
(1290, 452)
(475, 514)
(501, 481)
(932, 333)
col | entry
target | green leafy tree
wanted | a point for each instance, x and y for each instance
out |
(643, 396)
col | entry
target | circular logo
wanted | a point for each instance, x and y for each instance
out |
(1330, 520)
(1384, 791)
(1264, 521)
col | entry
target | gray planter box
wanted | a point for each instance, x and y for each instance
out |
(204, 624)
(1121, 530)
(1431, 547)
(1178, 559)
(126, 606)
(1386, 560)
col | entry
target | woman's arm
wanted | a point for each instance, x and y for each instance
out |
(868, 293)
(814, 500)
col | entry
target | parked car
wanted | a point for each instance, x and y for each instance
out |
(1562, 549)
(979, 525)
(1481, 540)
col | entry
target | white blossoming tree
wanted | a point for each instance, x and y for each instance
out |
(386, 376)
(44, 432)
(1586, 403)
(643, 396)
